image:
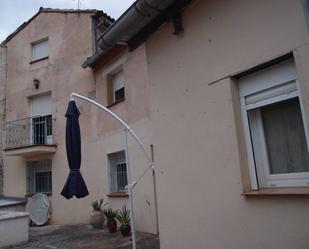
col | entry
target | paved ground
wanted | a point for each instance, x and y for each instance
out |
(80, 237)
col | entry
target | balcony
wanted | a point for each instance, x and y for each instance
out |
(29, 136)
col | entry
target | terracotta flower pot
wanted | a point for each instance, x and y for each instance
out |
(125, 230)
(97, 219)
(111, 225)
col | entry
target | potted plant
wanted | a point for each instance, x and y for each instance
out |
(97, 216)
(111, 222)
(124, 219)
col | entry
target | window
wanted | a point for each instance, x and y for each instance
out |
(42, 129)
(39, 176)
(116, 91)
(117, 172)
(39, 49)
(41, 132)
(274, 126)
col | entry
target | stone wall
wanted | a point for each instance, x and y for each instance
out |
(2, 108)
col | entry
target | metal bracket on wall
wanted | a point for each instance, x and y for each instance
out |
(177, 23)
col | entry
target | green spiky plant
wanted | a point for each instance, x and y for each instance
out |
(124, 216)
(124, 219)
(97, 216)
(110, 213)
(97, 204)
(111, 222)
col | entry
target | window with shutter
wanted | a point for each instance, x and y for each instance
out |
(41, 132)
(116, 87)
(39, 50)
(275, 130)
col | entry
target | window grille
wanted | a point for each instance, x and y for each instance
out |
(42, 129)
(39, 176)
(118, 172)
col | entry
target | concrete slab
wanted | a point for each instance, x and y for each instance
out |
(13, 227)
(8, 203)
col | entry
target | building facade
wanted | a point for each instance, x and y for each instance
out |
(44, 58)
(201, 85)
(221, 93)
(43, 67)
(229, 115)
(122, 85)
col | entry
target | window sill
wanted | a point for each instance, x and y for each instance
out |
(41, 59)
(118, 194)
(291, 191)
(32, 194)
(115, 103)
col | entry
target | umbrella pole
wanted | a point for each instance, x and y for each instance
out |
(131, 184)
(130, 193)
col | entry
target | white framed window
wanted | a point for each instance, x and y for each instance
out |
(118, 86)
(39, 176)
(39, 49)
(275, 129)
(117, 172)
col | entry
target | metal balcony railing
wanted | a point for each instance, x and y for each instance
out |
(29, 131)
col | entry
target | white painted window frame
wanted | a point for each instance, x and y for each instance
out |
(278, 83)
(115, 84)
(35, 44)
(109, 170)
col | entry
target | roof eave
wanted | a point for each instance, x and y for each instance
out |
(136, 38)
(102, 57)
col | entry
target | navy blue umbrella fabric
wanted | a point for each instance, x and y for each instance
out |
(75, 184)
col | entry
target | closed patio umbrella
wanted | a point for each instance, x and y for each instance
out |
(75, 184)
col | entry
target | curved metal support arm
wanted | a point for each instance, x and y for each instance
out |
(124, 124)
(131, 184)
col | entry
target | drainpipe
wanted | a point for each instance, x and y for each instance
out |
(155, 192)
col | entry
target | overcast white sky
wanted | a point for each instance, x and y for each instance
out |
(14, 12)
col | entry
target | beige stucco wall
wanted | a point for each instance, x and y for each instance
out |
(2, 107)
(70, 43)
(109, 136)
(194, 130)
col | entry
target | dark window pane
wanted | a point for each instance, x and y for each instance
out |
(38, 130)
(121, 176)
(119, 94)
(43, 182)
(285, 137)
(48, 120)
